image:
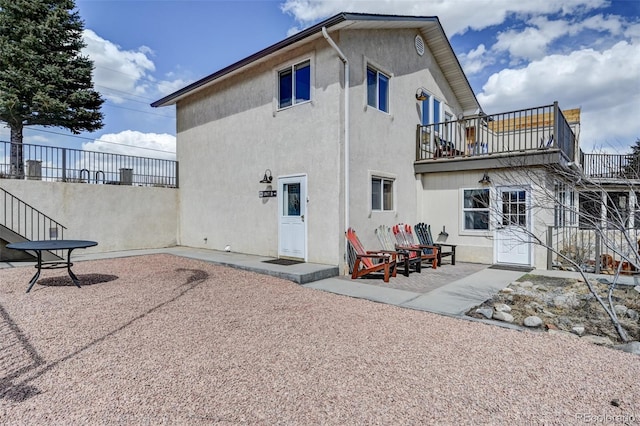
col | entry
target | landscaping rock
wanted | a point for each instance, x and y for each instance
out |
(540, 287)
(598, 340)
(637, 288)
(506, 290)
(503, 316)
(633, 314)
(485, 312)
(529, 284)
(532, 321)
(631, 347)
(620, 310)
(567, 300)
(501, 307)
(578, 329)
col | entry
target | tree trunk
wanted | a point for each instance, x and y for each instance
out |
(17, 160)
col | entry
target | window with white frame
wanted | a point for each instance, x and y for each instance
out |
(377, 89)
(565, 213)
(475, 209)
(294, 84)
(381, 193)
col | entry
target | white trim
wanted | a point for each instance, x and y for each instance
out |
(306, 213)
(290, 65)
(529, 191)
(368, 63)
(461, 210)
(387, 176)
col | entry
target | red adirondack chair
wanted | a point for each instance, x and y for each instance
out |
(405, 237)
(364, 260)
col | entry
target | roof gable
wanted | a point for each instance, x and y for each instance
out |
(429, 26)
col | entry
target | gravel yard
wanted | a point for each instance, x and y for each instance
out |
(168, 340)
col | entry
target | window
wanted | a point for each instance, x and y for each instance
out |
(590, 205)
(294, 85)
(617, 210)
(476, 209)
(425, 111)
(436, 113)
(377, 89)
(381, 194)
(565, 206)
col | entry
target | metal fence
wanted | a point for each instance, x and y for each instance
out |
(611, 166)
(27, 221)
(599, 251)
(532, 129)
(55, 164)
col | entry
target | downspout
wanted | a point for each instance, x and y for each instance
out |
(344, 60)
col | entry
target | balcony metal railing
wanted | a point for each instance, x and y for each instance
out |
(526, 130)
(73, 165)
(611, 166)
(27, 221)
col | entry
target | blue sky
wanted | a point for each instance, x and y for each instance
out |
(516, 54)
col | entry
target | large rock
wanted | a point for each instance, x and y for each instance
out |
(501, 307)
(532, 321)
(633, 314)
(503, 316)
(485, 312)
(631, 347)
(620, 310)
(578, 329)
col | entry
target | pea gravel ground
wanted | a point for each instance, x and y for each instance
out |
(167, 340)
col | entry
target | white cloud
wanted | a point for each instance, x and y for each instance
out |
(457, 16)
(532, 42)
(131, 142)
(605, 84)
(122, 71)
(475, 60)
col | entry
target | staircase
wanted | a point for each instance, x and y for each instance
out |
(21, 222)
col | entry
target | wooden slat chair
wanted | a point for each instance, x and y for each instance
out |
(405, 238)
(364, 260)
(408, 256)
(423, 232)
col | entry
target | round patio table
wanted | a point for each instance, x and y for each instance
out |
(39, 246)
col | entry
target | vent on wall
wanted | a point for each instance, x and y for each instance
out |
(419, 45)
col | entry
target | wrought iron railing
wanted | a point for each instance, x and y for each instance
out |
(73, 165)
(526, 130)
(598, 251)
(611, 166)
(27, 221)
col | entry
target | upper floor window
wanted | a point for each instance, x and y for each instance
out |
(377, 89)
(294, 84)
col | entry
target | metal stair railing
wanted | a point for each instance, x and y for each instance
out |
(27, 221)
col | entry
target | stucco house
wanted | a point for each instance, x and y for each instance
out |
(358, 121)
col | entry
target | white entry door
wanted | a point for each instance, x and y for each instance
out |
(512, 240)
(292, 231)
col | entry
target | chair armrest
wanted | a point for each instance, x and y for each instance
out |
(445, 245)
(378, 255)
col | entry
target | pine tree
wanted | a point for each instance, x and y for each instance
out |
(44, 79)
(632, 168)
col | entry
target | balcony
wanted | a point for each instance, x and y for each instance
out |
(611, 167)
(541, 135)
(53, 164)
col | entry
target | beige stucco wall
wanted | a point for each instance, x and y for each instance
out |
(442, 205)
(385, 144)
(117, 217)
(229, 136)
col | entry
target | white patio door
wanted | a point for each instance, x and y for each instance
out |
(292, 229)
(512, 236)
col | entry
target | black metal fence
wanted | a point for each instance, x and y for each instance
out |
(532, 129)
(55, 164)
(611, 166)
(27, 221)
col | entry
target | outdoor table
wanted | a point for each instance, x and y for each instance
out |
(39, 246)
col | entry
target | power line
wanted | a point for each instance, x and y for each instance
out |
(99, 140)
(139, 110)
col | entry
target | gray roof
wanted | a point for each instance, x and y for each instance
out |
(430, 27)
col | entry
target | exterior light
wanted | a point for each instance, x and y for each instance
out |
(486, 180)
(421, 94)
(267, 177)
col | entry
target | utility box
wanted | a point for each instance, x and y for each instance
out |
(34, 170)
(126, 176)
